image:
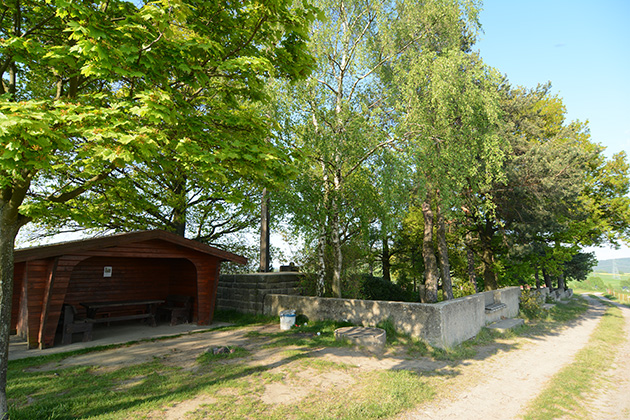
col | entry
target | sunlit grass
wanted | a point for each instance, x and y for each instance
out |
(564, 396)
(235, 383)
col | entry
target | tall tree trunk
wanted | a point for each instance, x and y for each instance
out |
(337, 178)
(385, 259)
(547, 278)
(7, 240)
(447, 284)
(180, 208)
(537, 277)
(179, 221)
(487, 257)
(430, 263)
(323, 218)
(321, 257)
(336, 240)
(10, 223)
(561, 284)
(489, 276)
(472, 276)
(470, 259)
(9, 228)
(264, 232)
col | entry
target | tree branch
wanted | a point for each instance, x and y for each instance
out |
(328, 86)
(368, 154)
(67, 196)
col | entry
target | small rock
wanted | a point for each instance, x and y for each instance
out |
(221, 350)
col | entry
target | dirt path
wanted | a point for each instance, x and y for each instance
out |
(613, 401)
(503, 384)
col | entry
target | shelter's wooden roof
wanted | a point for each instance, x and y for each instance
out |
(83, 245)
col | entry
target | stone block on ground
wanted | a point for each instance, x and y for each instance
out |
(507, 324)
(373, 339)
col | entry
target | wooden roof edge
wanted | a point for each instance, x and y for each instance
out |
(81, 245)
(191, 243)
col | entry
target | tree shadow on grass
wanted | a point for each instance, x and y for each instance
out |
(77, 392)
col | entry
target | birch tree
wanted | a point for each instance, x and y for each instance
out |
(449, 99)
(343, 114)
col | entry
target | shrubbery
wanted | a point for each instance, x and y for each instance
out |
(532, 304)
(375, 288)
(462, 288)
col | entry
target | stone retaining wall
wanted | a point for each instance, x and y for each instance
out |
(442, 324)
(509, 296)
(246, 292)
(555, 295)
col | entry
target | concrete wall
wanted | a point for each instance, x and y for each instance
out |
(442, 324)
(246, 292)
(555, 295)
(509, 295)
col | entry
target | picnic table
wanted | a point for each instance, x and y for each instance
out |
(148, 307)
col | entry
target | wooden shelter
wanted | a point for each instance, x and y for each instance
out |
(140, 265)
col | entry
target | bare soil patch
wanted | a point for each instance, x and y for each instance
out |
(496, 384)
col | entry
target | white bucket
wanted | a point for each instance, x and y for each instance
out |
(287, 319)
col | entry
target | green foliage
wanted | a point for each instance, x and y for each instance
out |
(594, 283)
(239, 318)
(164, 129)
(376, 288)
(108, 107)
(531, 304)
(463, 288)
(580, 265)
(391, 333)
(556, 194)
(407, 262)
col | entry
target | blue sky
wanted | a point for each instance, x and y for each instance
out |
(581, 47)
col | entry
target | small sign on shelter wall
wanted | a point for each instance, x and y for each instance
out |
(107, 271)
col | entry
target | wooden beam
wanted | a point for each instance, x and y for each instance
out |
(50, 279)
(56, 297)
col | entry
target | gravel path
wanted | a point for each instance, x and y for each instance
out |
(508, 381)
(613, 401)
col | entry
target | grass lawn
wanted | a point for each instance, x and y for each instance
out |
(610, 280)
(235, 385)
(565, 396)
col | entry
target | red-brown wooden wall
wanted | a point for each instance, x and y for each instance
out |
(151, 269)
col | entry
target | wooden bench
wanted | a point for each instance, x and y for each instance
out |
(149, 307)
(177, 307)
(493, 307)
(118, 318)
(74, 325)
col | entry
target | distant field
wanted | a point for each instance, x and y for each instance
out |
(608, 279)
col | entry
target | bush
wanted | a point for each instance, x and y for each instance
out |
(375, 288)
(532, 304)
(463, 288)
